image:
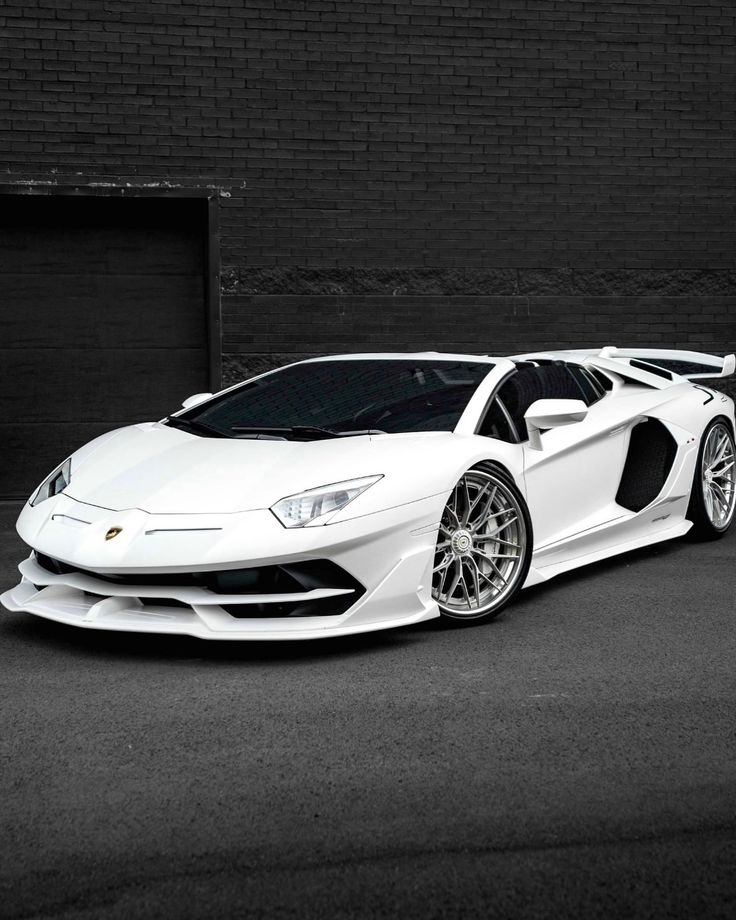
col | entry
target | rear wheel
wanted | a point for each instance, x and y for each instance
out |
(483, 548)
(713, 496)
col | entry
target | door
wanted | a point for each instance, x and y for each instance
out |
(571, 484)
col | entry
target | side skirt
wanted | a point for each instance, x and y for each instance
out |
(556, 559)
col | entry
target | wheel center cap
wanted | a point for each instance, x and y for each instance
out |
(461, 542)
(708, 476)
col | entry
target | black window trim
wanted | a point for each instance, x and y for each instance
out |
(507, 415)
(504, 410)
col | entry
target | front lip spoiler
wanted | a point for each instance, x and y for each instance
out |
(66, 605)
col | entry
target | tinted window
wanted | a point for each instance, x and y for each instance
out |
(551, 381)
(590, 392)
(389, 395)
(601, 379)
(495, 423)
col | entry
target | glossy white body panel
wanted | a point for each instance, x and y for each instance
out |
(189, 504)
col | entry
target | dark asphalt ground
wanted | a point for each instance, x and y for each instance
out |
(576, 758)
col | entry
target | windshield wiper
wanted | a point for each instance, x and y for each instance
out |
(301, 432)
(312, 431)
(188, 424)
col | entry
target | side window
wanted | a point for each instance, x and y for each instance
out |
(604, 382)
(591, 391)
(526, 386)
(518, 393)
(496, 423)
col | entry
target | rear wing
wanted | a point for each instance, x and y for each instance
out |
(654, 367)
(692, 365)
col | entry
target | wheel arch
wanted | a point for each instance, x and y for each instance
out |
(497, 467)
(721, 418)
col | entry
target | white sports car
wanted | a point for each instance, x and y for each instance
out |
(347, 494)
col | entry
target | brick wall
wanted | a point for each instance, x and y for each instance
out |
(441, 174)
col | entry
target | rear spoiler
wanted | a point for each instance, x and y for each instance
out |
(654, 367)
(692, 365)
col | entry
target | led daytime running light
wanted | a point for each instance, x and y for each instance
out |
(304, 507)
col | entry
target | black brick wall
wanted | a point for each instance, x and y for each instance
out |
(441, 174)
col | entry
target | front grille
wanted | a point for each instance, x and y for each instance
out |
(288, 578)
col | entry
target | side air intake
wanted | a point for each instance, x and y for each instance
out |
(651, 454)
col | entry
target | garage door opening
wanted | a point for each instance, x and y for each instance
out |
(104, 318)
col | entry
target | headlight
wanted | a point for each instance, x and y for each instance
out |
(301, 509)
(54, 484)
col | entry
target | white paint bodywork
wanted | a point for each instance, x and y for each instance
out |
(186, 503)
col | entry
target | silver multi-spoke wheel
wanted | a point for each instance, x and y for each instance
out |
(483, 547)
(718, 476)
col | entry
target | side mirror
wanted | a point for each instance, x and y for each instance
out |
(195, 400)
(552, 413)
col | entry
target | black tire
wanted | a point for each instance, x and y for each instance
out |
(710, 516)
(484, 547)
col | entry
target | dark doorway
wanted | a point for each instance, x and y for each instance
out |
(104, 319)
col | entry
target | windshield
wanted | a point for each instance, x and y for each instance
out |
(340, 398)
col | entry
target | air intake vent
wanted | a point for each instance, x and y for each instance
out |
(651, 454)
(335, 589)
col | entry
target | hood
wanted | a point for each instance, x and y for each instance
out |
(164, 470)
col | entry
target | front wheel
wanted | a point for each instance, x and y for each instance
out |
(483, 548)
(713, 495)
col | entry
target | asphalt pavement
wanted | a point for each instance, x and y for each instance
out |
(575, 758)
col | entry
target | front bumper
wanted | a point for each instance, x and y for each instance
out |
(389, 553)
